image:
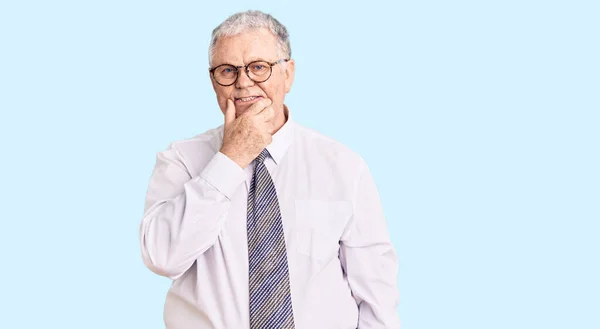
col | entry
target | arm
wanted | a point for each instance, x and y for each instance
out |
(369, 259)
(183, 215)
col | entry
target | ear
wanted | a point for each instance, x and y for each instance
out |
(290, 69)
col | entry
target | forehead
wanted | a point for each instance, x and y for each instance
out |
(245, 47)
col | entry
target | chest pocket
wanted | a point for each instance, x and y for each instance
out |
(320, 225)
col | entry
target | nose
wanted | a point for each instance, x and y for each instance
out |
(243, 81)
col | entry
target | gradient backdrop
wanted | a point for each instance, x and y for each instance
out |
(479, 120)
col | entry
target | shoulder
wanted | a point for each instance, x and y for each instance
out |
(208, 140)
(326, 149)
(194, 152)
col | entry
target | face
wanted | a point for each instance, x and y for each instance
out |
(241, 49)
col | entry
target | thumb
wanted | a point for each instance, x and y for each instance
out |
(229, 112)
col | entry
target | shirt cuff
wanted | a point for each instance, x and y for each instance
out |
(223, 174)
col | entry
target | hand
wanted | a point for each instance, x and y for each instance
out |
(246, 136)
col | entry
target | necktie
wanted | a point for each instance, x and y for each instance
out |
(270, 298)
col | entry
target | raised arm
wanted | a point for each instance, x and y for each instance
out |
(184, 215)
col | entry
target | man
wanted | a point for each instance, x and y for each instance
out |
(262, 222)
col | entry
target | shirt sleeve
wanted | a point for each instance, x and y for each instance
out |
(369, 259)
(183, 215)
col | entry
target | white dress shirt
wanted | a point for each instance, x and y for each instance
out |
(342, 265)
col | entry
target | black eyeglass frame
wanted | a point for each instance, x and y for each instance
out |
(245, 67)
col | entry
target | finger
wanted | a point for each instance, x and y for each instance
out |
(268, 113)
(259, 106)
(229, 112)
(268, 137)
(268, 126)
(271, 127)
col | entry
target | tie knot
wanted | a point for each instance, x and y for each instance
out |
(262, 156)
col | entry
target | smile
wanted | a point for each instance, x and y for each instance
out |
(248, 99)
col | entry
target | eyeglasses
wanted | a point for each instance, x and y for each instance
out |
(257, 71)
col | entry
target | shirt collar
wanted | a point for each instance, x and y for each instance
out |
(283, 138)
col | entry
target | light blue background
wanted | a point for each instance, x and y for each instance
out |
(479, 120)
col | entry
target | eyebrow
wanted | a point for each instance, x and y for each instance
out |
(255, 59)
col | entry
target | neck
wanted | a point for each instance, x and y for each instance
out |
(281, 119)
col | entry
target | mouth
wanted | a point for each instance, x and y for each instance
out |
(247, 100)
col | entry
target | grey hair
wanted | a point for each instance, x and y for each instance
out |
(251, 19)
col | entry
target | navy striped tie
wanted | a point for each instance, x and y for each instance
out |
(270, 298)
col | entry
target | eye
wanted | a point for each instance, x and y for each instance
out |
(259, 68)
